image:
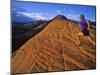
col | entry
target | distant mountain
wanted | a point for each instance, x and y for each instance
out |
(17, 23)
(21, 32)
(55, 48)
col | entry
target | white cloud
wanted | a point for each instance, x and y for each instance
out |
(43, 16)
(73, 16)
(70, 15)
(37, 16)
(59, 11)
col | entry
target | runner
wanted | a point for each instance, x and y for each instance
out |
(85, 27)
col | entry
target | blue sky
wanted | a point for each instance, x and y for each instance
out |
(46, 11)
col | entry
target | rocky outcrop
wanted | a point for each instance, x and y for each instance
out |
(55, 48)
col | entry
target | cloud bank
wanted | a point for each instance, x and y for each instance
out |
(36, 16)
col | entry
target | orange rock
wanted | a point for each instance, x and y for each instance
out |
(54, 49)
